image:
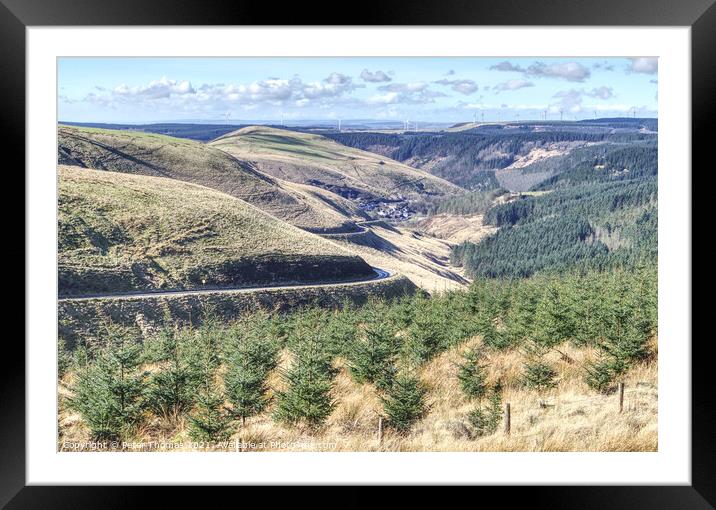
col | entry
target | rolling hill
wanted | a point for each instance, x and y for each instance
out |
(378, 184)
(122, 233)
(190, 161)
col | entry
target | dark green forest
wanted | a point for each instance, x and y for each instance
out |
(601, 163)
(473, 202)
(597, 225)
(469, 158)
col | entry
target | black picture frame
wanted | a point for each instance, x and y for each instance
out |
(16, 15)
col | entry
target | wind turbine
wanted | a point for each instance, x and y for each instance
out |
(561, 114)
(226, 117)
(339, 125)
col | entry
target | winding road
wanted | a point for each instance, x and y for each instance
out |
(380, 274)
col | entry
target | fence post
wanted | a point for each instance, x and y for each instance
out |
(507, 419)
(621, 397)
(380, 430)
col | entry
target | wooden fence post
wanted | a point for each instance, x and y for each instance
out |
(380, 430)
(507, 419)
(621, 397)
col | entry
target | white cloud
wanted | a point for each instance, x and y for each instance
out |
(465, 87)
(603, 66)
(602, 93)
(507, 66)
(156, 89)
(335, 84)
(374, 77)
(515, 84)
(417, 86)
(387, 98)
(180, 94)
(570, 71)
(646, 65)
(406, 93)
(571, 100)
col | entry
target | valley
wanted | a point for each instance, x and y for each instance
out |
(450, 270)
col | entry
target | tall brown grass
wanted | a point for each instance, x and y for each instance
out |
(568, 417)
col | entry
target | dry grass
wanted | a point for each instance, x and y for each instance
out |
(189, 161)
(455, 228)
(571, 417)
(110, 221)
(424, 259)
(305, 158)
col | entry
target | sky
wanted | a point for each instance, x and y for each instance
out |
(419, 89)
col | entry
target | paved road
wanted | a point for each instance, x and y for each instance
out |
(380, 274)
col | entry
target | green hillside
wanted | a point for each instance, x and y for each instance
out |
(119, 232)
(595, 225)
(190, 161)
(378, 183)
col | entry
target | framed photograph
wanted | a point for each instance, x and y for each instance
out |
(443, 246)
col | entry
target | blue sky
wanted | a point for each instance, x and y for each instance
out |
(442, 89)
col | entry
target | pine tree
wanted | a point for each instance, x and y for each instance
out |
(520, 321)
(404, 403)
(309, 381)
(373, 355)
(491, 337)
(588, 305)
(485, 419)
(340, 331)
(400, 314)
(553, 324)
(209, 420)
(172, 387)
(428, 333)
(600, 374)
(472, 375)
(539, 375)
(109, 392)
(250, 358)
(625, 333)
(64, 358)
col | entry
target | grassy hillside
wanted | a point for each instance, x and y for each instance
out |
(194, 162)
(378, 183)
(120, 232)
